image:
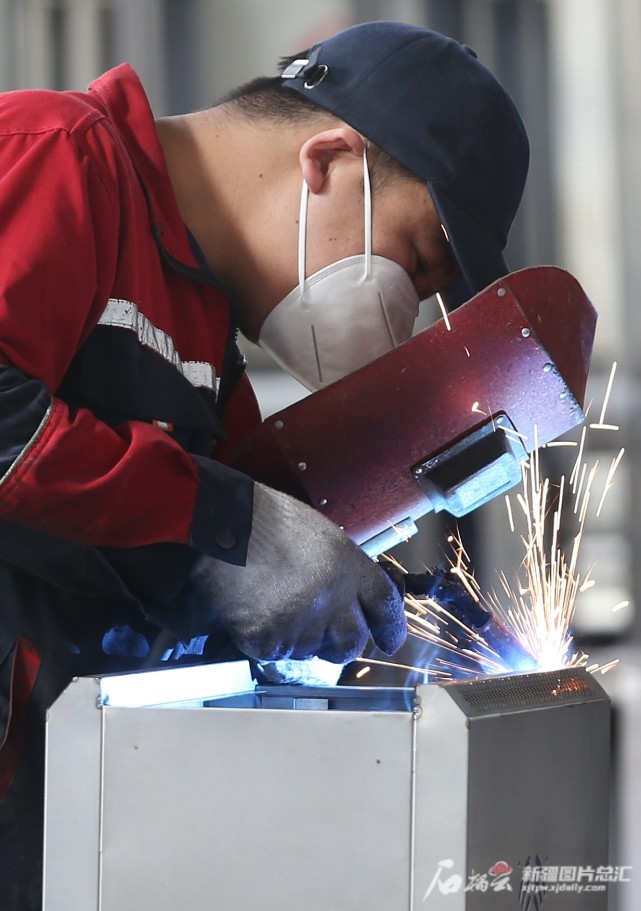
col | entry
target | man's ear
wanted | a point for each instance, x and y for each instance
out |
(320, 150)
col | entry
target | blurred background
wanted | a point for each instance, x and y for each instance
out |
(574, 70)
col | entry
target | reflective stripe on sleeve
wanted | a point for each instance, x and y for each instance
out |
(124, 314)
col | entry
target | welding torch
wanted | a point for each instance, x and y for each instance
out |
(443, 587)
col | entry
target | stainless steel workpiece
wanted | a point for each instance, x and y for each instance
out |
(193, 788)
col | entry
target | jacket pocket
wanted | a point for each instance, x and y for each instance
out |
(19, 665)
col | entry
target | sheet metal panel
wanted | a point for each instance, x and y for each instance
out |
(255, 809)
(519, 772)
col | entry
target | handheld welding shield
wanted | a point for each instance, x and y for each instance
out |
(457, 409)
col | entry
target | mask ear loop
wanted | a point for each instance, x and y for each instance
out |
(302, 228)
(367, 200)
(302, 240)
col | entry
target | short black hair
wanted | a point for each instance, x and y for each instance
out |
(266, 98)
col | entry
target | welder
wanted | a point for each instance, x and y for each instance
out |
(376, 168)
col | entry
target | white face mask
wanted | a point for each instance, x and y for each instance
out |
(343, 316)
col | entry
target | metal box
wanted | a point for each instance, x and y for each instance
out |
(444, 796)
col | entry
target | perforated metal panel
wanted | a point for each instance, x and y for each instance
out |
(521, 692)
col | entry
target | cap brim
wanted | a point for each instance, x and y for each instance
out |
(479, 256)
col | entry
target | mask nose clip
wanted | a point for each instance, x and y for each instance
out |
(316, 76)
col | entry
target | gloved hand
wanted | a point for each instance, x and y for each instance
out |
(307, 588)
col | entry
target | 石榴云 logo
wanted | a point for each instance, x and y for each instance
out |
(446, 881)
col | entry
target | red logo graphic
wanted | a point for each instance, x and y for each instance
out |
(500, 868)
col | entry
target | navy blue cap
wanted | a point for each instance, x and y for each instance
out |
(429, 102)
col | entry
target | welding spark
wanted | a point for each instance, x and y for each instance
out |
(578, 461)
(536, 608)
(403, 534)
(510, 517)
(404, 667)
(513, 434)
(606, 397)
(444, 312)
(542, 603)
(608, 482)
(458, 649)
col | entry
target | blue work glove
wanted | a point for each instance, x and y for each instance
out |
(306, 589)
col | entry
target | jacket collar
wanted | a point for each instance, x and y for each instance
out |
(123, 97)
